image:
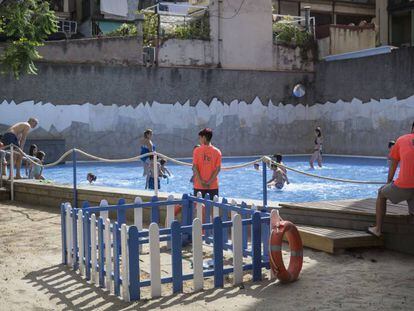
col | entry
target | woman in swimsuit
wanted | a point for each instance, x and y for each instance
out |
(146, 147)
(317, 149)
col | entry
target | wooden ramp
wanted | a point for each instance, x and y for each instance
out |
(331, 240)
(355, 215)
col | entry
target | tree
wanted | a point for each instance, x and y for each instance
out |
(25, 24)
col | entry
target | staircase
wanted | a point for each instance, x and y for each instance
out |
(331, 240)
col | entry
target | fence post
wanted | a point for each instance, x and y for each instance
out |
(11, 172)
(256, 247)
(63, 231)
(187, 217)
(75, 191)
(155, 175)
(264, 173)
(133, 260)
(155, 211)
(218, 252)
(177, 261)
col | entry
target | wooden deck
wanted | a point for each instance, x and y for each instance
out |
(354, 216)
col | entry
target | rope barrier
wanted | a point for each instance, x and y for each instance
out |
(265, 159)
(113, 160)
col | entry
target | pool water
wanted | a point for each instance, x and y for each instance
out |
(245, 182)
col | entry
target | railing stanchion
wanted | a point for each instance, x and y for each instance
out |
(1, 167)
(264, 184)
(75, 191)
(155, 175)
(11, 172)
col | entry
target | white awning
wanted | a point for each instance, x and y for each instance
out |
(115, 7)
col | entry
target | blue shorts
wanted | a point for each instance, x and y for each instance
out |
(151, 183)
(10, 138)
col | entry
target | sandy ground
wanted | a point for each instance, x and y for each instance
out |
(32, 278)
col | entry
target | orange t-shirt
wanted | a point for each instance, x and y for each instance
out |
(403, 151)
(207, 159)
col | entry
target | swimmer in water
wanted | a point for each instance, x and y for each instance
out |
(165, 172)
(279, 177)
(91, 178)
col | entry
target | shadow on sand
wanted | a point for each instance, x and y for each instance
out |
(72, 292)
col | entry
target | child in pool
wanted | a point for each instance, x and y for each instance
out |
(91, 178)
(37, 169)
(279, 174)
(164, 170)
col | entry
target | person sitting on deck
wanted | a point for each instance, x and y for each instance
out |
(402, 189)
(37, 169)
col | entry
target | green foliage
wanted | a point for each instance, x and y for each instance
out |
(123, 30)
(149, 29)
(26, 24)
(287, 32)
(197, 29)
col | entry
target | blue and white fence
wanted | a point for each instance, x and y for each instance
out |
(107, 253)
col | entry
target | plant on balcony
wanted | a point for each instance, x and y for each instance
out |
(25, 25)
(123, 30)
(286, 31)
(197, 29)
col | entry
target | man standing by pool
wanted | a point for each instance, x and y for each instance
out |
(206, 165)
(17, 135)
(402, 189)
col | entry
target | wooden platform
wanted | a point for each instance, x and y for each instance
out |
(355, 215)
(331, 240)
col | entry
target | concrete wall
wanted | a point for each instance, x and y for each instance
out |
(241, 128)
(176, 52)
(117, 50)
(292, 58)
(242, 38)
(343, 39)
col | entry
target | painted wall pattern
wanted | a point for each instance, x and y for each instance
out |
(241, 128)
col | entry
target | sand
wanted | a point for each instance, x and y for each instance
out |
(32, 278)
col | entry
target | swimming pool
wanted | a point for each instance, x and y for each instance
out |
(245, 182)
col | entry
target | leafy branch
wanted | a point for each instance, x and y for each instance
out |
(25, 24)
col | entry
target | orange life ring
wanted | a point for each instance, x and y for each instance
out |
(296, 252)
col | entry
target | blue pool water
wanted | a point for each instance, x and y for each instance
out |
(245, 182)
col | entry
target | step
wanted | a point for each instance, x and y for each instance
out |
(331, 240)
(4, 194)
